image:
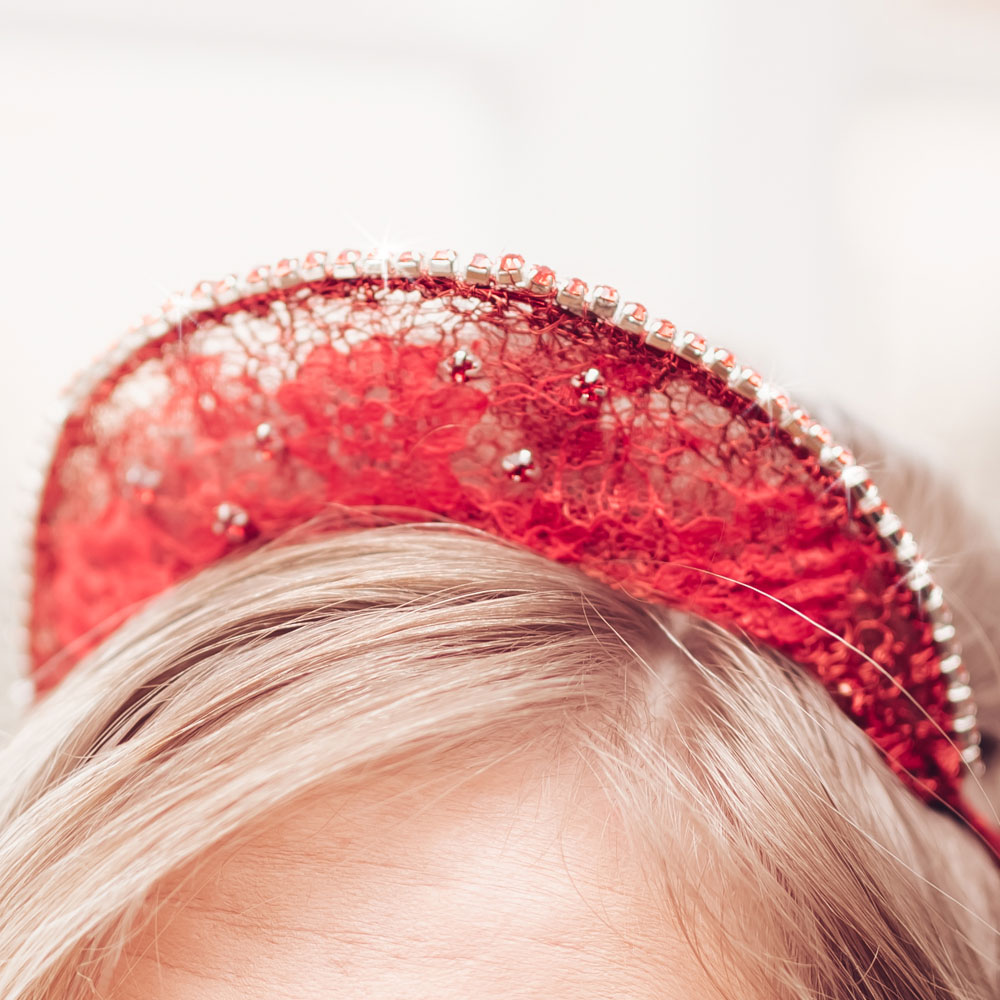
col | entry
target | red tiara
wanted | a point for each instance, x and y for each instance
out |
(548, 412)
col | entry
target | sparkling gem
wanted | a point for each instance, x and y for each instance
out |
(747, 383)
(462, 366)
(572, 295)
(267, 440)
(376, 263)
(202, 296)
(345, 266)
(177, 308)
(964, 723)
(720, 362)
(286, 273)
(314, 265)
(144, 481)
(661, 335)
(887, 523)
(605, 301)
(845, 688)
(227, 291)
(233, 522)
(479, 269)
(592, 387)
(906, 547)
(854, 475)
(510, 271)
(442, 263)
(944, 632)
(258, 279)
(633, 318)
(520, 465)
(950, 664)
(542, 281)
(155, 324)
(692, 346)
(773, 402)
(408, 263)
(958, 692)
(934, 599)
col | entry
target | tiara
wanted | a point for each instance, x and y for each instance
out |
(546, 411)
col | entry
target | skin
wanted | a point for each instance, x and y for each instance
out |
(514, 884)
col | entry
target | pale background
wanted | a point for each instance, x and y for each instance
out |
(813, 184)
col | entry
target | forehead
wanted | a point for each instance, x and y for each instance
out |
(514, 883)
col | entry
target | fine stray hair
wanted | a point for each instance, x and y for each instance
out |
(796, 864)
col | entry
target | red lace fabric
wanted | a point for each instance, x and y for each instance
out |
(349, 393)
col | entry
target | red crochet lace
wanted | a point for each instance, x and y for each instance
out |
(261, 415)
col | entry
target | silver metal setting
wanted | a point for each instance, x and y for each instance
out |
(601, 302)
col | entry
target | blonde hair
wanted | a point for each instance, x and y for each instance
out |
(344, 656)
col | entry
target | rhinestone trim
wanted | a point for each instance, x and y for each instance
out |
(599, 302)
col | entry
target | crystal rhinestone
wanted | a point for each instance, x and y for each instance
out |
(155, 324)
(408, 263)
(944, 632)
(867, 497)
(854, 475)
(919, 575)
(816, 439)
(661, 335)
(887, 523)
(258, 280)
(345, 265)
(314, 265)
(233, 521)
(950, 664)
(605, 301)
(906, 548)
(266, 439)
(511, 269)
(462, 366)
(202, 296)
(633, 318)
(747, 383)
(773, 402)
(144, 481)
(479, 269)
(520, 465)
(442, 264)
(692, 346)
(226, 291)
(964, 723)
(542, 281)
(177, 308)
(286, 273)
(720, 362)
(376, 263)
(572, 295)
(592, 387)
(958, 692)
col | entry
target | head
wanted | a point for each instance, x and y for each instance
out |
(417, 761)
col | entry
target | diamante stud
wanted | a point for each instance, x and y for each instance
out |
(461, 366)
(233, 521)
(592, 387)
(520, 465)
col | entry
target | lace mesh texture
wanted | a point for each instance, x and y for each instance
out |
(259, 416)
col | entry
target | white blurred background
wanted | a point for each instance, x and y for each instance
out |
(813, 184)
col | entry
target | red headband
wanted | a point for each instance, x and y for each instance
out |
(543, 411)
